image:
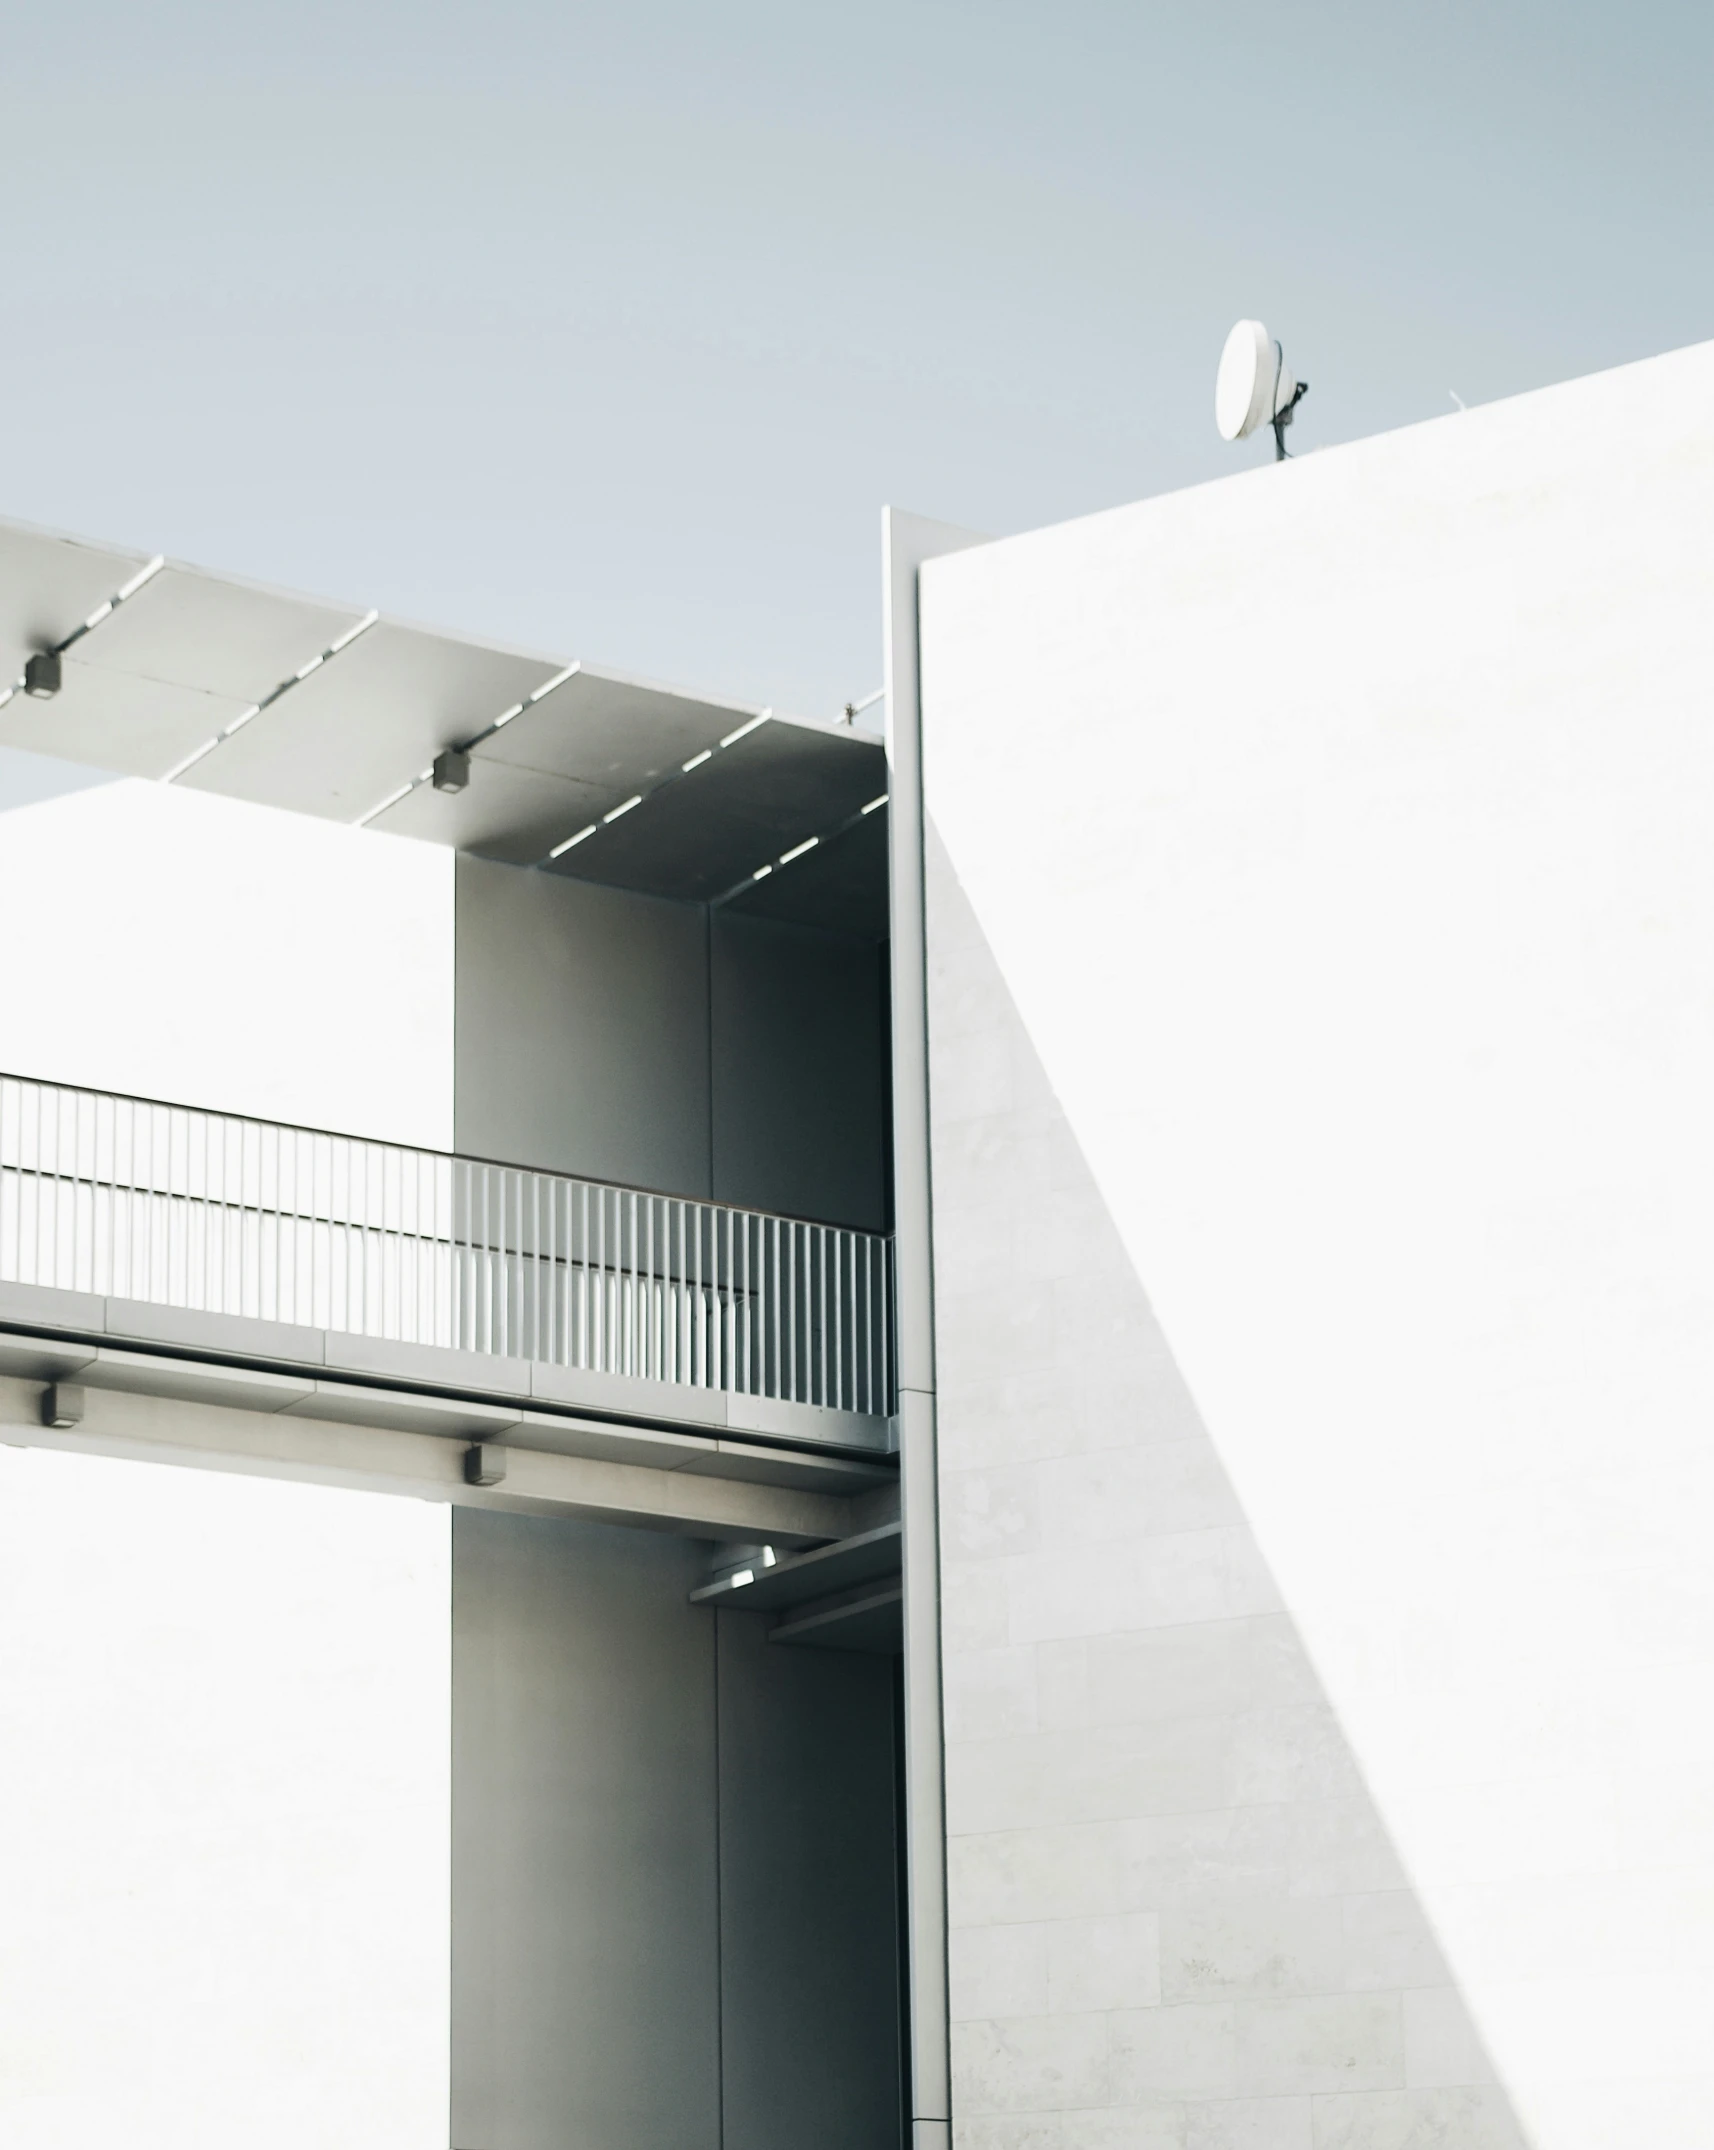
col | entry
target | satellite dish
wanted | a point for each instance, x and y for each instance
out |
(1255, 385)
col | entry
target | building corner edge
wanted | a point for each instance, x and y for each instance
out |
(906, 542)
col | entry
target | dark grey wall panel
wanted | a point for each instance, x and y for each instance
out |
(809, 1926)
(581, 1029)
(800, 1075)
(623, 1038)
(584, 1904)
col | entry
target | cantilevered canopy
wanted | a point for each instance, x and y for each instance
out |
(169, 672)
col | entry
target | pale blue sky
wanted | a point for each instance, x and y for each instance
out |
(608, 329)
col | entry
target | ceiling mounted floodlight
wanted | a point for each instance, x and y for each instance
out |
(42, 675)
(451, 770)
(1255, 386)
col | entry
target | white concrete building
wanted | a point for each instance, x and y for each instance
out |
(1188, 1166)
(1320, 906)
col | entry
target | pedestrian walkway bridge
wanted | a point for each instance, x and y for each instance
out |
(209, 1232)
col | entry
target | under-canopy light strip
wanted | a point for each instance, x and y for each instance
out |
(653, 791)
(797, 851)
(255, 709)
(144, 574)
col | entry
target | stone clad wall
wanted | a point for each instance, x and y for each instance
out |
(1177, 1921)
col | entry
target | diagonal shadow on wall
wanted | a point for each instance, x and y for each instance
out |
(1178, 1922)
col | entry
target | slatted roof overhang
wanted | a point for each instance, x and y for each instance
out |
(173, 673)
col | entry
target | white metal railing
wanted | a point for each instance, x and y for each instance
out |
(132, 1199)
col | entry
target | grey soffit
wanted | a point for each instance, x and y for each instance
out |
(869, 1557)
(583, 748)
(755, 799)
(159, 674)
(870, 1620)
(133, 725)
(48, 587)
(190, 629)
(844, 1596)
(368, 721)
(170, 668)
(841, 884)
(513, 815)
(618, 735)
(292, 702)
(177, 663)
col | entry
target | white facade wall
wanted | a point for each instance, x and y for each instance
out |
(1326, 951)
(224, 1703)
(208, 952)
(224, 1707)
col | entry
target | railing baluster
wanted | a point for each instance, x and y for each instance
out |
(36, 1276)
(54, 1184)
(723, 1296)
(206, 1122)
(458, 1234)
(675, 1289)
(600, 1360)
(795, 1235)
(632, 1237)
(840, 1392)
(539, 1337)
(740, 1302)
(481, 1265)
(582, 1276)
(551, 1350)
(650, 1364)
(698, 1369)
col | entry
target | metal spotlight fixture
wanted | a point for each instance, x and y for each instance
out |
(452, 769)
(42, 675)
(484, 1464)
